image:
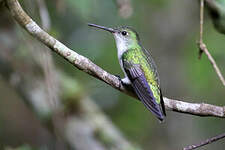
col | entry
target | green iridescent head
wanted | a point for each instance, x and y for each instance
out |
(125, 37)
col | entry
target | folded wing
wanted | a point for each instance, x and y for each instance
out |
(142, 88)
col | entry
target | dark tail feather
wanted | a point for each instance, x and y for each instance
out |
(162, 103)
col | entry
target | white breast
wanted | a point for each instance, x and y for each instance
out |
(121, 48)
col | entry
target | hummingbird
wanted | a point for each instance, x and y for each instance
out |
(139, 68)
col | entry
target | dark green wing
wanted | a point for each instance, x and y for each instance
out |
(153, 66)
(142, 88)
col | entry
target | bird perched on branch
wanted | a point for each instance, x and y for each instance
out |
(139, 69)
(217, 13)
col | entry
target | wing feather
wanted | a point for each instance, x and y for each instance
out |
(142, 88)
(151, 62)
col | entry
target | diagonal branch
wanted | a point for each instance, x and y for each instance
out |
(203, 48)
(89, 67)
(208, 141)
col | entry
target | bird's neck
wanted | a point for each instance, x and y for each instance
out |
(121, 49)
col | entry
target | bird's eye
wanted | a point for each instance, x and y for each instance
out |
(124, 33)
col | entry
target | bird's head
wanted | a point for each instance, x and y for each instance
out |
(125, 37)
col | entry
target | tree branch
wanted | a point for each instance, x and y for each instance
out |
(208, 141)
(89, 67)
(203, 48)
(198, 109)
(95, 129)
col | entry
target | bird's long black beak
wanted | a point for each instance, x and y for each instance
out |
(102, 27)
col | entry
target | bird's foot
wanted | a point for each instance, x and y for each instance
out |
(119, 78)
(125, 81)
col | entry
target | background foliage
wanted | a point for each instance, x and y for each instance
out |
(169, 29)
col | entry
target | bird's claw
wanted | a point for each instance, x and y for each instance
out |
(121, 82)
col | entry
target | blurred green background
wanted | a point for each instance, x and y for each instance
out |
(169, 29)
